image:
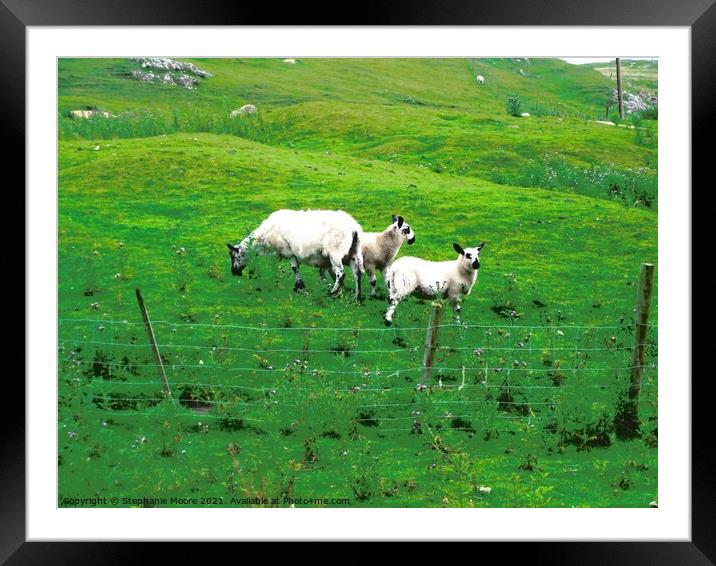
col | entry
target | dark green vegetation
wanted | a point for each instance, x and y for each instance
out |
(303, 395)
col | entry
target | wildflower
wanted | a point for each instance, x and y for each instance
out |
(71, 434)
(477, 352)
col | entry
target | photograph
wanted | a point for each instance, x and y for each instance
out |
(343, 282)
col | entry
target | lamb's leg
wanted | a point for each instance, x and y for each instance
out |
(373, 283)
(357, 274)
(394, 297)
(392, 304)
(299, 282)
(456, 309)
(339, 275)
(322, 271)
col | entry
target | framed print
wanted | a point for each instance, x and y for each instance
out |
(362, 282)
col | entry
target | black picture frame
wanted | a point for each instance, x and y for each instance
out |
(699, 15)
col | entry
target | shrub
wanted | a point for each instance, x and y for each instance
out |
(513, 105)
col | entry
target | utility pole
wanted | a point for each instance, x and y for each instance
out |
(620, 93)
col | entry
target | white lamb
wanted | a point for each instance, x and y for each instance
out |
(480, 79)
(307, 236)
(430, 279)
(380, 248)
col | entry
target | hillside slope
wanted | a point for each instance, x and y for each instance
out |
(428, 113)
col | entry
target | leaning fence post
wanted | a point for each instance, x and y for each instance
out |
(629, 418)
(431, 342)
(153, 343)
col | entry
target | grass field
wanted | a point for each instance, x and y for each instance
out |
(301, 395)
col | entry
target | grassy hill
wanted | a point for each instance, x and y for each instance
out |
(637, 74)
(306, 394)
(425, 113)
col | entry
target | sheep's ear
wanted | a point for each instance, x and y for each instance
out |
(458, 249)
(482, 245)
(395, 218)
(400, 221)
(228, 245)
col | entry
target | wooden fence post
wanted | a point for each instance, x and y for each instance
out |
(431, 342)
(628, 420)
(620, 92)
(153, 343)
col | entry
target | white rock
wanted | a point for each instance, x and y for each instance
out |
(245, 110)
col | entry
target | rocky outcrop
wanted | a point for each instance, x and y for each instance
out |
(638, 102)
(168, 71)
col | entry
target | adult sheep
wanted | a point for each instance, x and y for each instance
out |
(380, 249)
(480, 79)
(313, 237)
(451, 280)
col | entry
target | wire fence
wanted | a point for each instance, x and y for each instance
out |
(486, 378)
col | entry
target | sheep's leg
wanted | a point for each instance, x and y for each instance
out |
(357, 274)
(325, 270)
(339, 275)
(390, 313)
(299, 282)
(373, 283)
(394, 297)
(456, 309)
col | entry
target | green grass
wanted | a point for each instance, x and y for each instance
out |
(155, 211)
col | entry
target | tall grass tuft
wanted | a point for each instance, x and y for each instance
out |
(634, 187)
(144, 124)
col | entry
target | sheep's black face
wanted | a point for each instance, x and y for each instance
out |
(404, 229)
(470, 255)
(238, 259)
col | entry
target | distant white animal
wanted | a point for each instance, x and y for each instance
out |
(480, 79)
(306, 236)
(525, 114)
(380, 249)
(289, 61)
(245, 110)
(451, 280)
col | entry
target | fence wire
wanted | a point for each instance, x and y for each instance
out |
(502, 377)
